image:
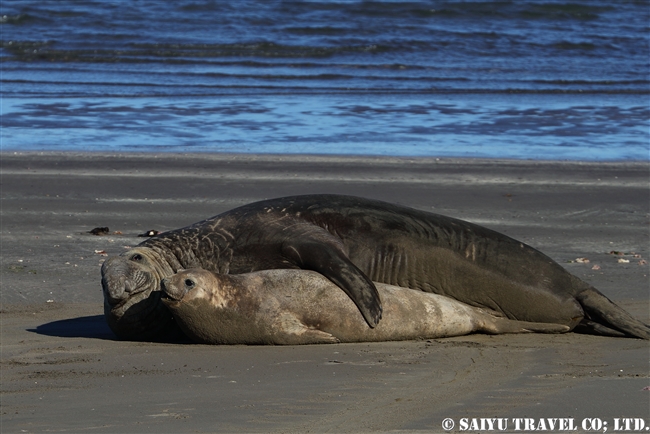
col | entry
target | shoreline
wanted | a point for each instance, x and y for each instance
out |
(63, 370)
(217, 155)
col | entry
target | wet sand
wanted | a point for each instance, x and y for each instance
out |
(63, 370)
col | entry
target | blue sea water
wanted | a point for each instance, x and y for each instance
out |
(516, 79)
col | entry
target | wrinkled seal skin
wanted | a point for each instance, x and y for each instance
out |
(353, 241)
(132, 297)
(291, 307)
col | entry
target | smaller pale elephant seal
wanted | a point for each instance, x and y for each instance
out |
(290, 307)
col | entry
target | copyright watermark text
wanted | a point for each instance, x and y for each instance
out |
(551, 424)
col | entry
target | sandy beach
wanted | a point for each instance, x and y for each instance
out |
(64, 371)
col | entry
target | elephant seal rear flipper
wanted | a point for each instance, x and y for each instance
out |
(318, 250)
(606, 315)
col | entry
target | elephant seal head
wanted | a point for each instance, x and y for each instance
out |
(131, 284)
(197, 283)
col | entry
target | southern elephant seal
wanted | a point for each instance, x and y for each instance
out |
(354, 241)
(291, 307)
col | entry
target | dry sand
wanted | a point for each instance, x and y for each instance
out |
(63, 370)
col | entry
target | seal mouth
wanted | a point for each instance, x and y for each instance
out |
(127, 294)
(168, 296)
(118, 303)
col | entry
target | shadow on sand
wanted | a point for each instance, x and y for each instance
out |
(83, 327)
(93, 327)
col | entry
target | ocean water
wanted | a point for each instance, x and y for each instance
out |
(516, 79)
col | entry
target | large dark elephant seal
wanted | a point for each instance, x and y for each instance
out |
(353, 241)
(291, 307)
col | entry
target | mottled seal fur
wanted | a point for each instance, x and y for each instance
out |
(354, 241)
(290, 307)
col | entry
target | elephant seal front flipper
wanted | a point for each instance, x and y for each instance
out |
(297, 333)
(313, 248)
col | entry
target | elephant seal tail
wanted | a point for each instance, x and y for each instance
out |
(604, 317)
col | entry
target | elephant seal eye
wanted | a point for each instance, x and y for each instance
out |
(189, 283)
(137, 257)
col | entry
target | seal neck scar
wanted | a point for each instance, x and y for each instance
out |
(190, 247)
(162, 262)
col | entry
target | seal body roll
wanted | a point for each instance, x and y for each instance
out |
(303, 307)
